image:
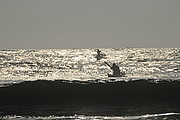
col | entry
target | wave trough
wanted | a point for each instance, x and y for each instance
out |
(91, 98)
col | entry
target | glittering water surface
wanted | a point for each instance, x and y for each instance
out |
(81, 64)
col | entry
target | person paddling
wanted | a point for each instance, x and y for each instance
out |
(99, 55)
(116, 70)
(98, 52)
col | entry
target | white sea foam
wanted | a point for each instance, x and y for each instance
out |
(169, 116)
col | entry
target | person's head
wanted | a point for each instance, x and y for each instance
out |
(114, 64)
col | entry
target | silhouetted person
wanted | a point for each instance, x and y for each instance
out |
(98, 56)
(116, 70)
(98, 52)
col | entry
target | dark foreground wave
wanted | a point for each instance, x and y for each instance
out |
(68, 98)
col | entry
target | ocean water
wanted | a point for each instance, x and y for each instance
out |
(73, 84)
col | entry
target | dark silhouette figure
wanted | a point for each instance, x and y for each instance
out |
(116, 70)
(98, 52)
(99, 55)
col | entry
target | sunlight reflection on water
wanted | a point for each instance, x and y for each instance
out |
(81, 64)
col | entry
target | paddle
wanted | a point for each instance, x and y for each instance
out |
(107, 64)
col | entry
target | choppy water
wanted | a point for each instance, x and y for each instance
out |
(81, 64)
(94, 96)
